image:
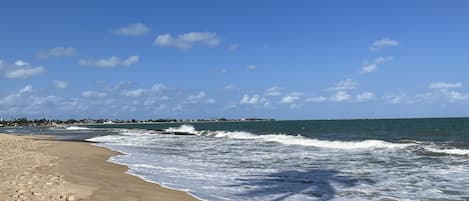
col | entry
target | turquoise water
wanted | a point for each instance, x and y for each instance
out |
(401, 159)
(438, 130)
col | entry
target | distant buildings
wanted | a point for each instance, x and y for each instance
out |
(52, 123)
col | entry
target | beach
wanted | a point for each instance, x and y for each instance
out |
(41, 168)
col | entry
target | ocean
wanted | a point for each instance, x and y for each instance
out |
(394, 159)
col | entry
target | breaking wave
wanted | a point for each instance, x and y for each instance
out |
(76, 128)
(292, 139)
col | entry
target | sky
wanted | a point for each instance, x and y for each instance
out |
(234, 59)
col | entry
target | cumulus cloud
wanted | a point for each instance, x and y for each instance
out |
(254, 99)
(60, 84)
(456, 96)
(289, 99)
(445, 85)
(274, 91)
(56, 52)
(373, 66)
(192, 99)
(343, 85)
(292, 99)
(365, 96)
(22, 73)
(93, 94)
(20, 70)
(188, 40)
(110, 62)
(341, 96)
(316, 99)
(26, 89)
(383, 43)
(137, 29)
(133, 93)
(158, 87)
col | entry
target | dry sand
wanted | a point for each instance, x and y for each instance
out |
(44, 169)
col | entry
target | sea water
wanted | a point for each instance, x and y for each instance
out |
(413, 159)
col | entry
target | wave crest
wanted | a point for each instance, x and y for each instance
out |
(76, 128)
(453, 151)
(303, 141)
(185, 128)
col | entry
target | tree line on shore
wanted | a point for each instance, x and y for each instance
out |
(53, 122)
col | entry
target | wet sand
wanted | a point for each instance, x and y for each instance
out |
(34, 168)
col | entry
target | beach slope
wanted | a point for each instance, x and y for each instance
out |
(45, 169)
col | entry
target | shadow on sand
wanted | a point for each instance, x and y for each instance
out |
(315, 184)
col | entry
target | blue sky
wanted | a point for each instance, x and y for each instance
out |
(206, 59)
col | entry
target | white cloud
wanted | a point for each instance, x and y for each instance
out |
(445, 85)
(370, 67)
(188, 40)
(20, 70)
(254, 100)
(341, 96)
(383, 43)
(26, 89)
(93, 94)
(193, 99)
(197, 96)
(365, 96)
(110, 62)
(250, 100)
(22, 73)
(347, 84)
(137, 29)
(316, 99)
(133, 93)
(60, 84)
(251, 67)
(289, 99)
(456, 96)
(158, 87)
(274, 91)
(56, 52)
(233, 47)
(21, 63)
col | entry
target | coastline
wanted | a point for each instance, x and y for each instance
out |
(41, 168)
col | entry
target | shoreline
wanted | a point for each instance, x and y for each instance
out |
(43, 168)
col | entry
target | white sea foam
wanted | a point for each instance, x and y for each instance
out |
(185, 128)
(300, 140)
(205, 165)
(76, 128)
(453, 151)
(292, 139)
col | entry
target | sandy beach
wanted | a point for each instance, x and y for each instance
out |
(45, 169)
